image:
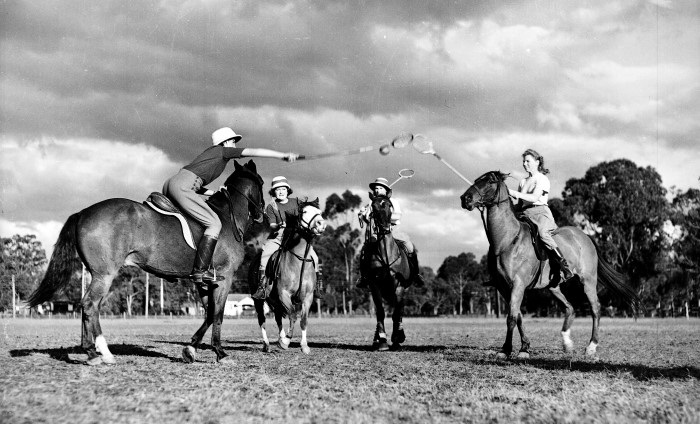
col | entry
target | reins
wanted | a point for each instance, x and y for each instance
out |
(238, 233)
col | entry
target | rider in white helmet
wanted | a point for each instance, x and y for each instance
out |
(277, 211)
(380, 187)
(187, 187)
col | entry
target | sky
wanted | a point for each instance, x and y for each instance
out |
(109, 99)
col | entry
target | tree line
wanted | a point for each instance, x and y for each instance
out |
(649, 233)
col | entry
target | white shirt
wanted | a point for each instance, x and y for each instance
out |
(537, 184)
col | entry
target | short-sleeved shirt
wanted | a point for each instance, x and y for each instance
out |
(279, 215)
(212, 162)
(537, 184)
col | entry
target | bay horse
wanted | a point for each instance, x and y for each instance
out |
(515, 267)
(293, 275)
(388, 272)
(116, 232)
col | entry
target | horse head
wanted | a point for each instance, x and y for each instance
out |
(246, 181)
(310, 219)
(381, 213)
(486, 191)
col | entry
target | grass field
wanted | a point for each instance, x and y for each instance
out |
(647, 371)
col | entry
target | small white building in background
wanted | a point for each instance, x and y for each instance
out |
(241, 304)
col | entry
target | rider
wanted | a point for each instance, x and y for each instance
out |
(277, 212)
(532, 195)
(187, 185)
(380, 187)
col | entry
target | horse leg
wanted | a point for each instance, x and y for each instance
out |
(397, 334)
(189, 353)
(221, 355)
(92, 339)
(592, 293)
(516, 297)
(303, 321)
(260, 311)
(379, 343)
(567, 343)
(524, 352)
(283, 341)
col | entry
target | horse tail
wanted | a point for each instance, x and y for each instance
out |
(615, 282)
(61, 266)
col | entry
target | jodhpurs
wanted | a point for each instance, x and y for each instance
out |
(182, 188)
(542, 217)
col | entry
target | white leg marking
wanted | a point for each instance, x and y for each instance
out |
(568, 344)
(264, 335)
(591, 349)
(101, 346)
(304, 343)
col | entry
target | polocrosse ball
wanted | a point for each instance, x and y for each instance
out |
(384, 150)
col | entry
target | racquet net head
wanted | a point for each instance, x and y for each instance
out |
(422, 144)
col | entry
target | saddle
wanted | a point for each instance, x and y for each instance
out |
(540, 251)
(191, 229)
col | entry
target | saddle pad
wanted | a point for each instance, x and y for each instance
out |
(186, 231)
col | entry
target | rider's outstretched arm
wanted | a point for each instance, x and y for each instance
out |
(267, 153)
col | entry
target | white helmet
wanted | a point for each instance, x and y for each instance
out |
(224, 134)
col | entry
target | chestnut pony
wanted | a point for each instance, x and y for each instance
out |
(117, 232)
(515, 267)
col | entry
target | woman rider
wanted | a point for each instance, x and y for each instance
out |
(187, 185)
(277, 212)
(380, 187)
(532, 195)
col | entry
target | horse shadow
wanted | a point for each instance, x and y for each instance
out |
(62, 353)
(350, 347)
(638, 371)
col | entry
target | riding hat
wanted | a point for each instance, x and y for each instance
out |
(224, 134)
(280, 182)
(380, 182)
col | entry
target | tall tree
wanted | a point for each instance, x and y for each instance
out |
(684, 238)
(24, 258)
(624, 205)
(466, 276)
(344, 238)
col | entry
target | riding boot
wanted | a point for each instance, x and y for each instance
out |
(557, 256)
(318, 289)
(202, 260)
(415, 269)
(262, 283)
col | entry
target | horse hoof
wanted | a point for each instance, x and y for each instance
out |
(189, 354)
(398, 337)
(523, 355)
(266, 347)
(283, 344)
(501, 356)
(225, 359)
(591, 350)
(97, 360)
(305, 349)
(395, 347)
(109, 360)
(382, 345)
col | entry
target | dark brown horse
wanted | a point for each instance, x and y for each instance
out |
(517, 268)
(388, 272)
(294, 277)
(118, 232)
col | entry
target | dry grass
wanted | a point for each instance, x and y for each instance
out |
(647, 371)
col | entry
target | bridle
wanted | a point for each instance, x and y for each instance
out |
(382, 229)
(238, 233)
(482, 204)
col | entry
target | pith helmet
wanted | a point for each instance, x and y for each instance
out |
(224, 134)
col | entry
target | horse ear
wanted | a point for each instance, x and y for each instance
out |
(251, 165)
(316, 203)
(236, 165)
